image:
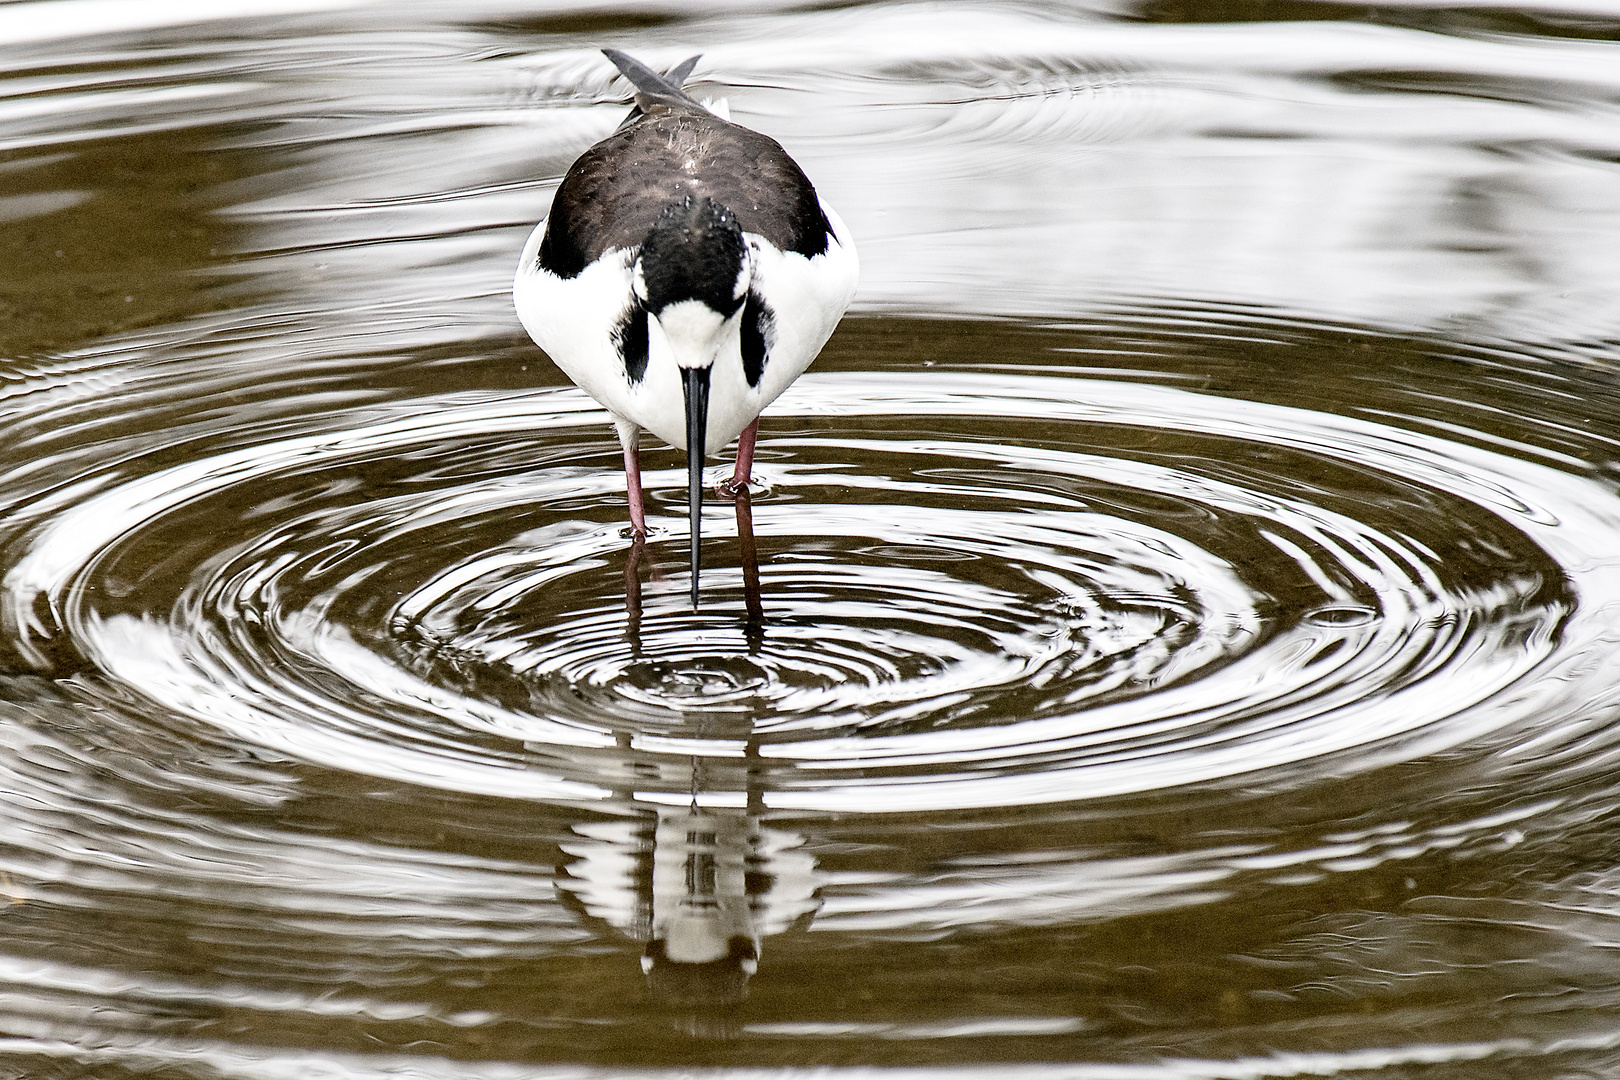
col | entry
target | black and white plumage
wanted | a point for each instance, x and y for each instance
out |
(687, 273)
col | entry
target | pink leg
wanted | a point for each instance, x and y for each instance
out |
(632, 487)
(743, 473)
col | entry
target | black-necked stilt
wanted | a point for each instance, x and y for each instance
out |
(687, 273)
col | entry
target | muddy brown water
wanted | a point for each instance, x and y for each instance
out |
(1176, 632)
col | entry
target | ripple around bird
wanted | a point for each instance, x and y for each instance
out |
(1156, 587)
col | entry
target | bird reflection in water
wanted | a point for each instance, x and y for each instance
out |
(698, 886)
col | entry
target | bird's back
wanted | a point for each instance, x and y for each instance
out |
(616, 191)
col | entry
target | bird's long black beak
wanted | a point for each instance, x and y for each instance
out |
(695, 381)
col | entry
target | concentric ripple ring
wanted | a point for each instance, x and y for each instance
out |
(443, 596)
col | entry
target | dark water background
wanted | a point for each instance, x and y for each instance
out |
(1176, 635)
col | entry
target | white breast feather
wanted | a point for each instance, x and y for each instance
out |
(569, 319)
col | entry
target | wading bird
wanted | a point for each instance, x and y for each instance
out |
(687, 273)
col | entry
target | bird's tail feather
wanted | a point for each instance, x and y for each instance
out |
(677, 74)
(671, 82)
(651, 87)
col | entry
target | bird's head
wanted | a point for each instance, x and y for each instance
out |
(692, 276)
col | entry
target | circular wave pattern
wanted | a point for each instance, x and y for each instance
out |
(1154, 588)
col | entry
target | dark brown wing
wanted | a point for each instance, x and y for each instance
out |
(617, 189)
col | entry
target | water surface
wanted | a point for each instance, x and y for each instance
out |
(1173, 634)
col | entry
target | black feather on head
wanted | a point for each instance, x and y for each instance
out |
(695, 251)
